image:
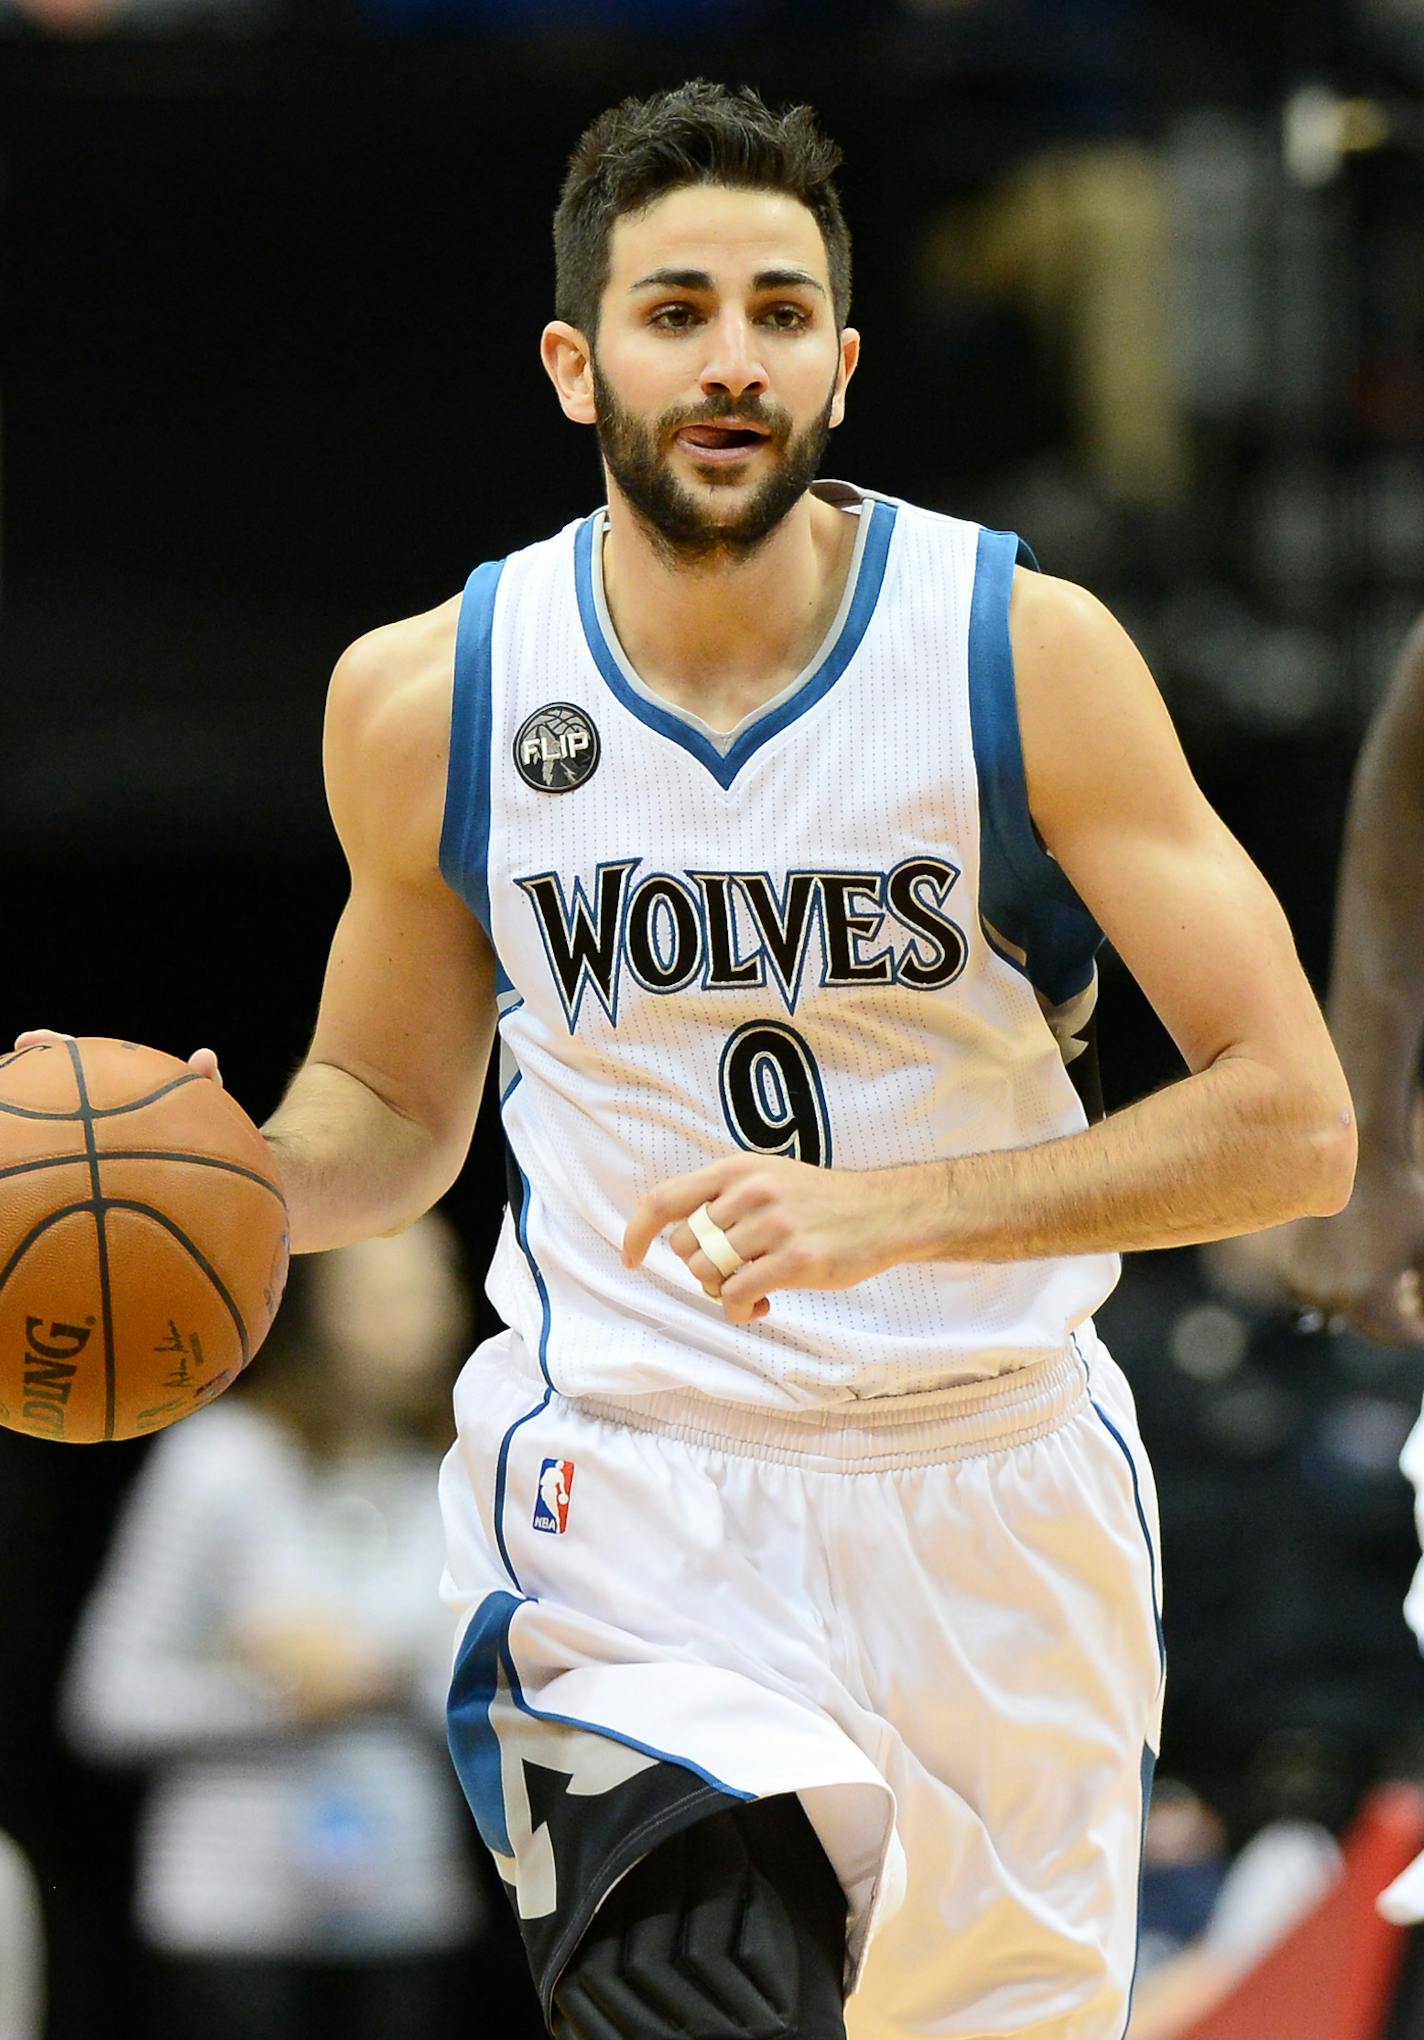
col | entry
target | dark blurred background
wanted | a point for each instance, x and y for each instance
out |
(1144, 281)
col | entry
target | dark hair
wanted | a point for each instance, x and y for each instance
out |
(639, 151)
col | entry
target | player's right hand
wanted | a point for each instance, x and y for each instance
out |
(1363, 1267)
(203, 1061)
(319, 1673)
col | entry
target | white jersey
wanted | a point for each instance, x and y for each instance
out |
(831, 934)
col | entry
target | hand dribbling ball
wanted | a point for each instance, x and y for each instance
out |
(143, 1240)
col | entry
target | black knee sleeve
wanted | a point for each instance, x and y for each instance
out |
(733, 1929)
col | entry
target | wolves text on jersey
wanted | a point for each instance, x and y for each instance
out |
(729, 930)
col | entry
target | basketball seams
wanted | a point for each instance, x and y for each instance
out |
(196, 1254)
(87, 1112)
(19, 1054)
(136, 1104)
(75, 1160)
(106, 1294)
(40, 1227)
(191, 1160)
(97, 1208)
(126, 1276)
(143, 1155)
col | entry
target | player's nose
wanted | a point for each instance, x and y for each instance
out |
(734, 360)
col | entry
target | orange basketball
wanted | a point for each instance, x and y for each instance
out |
(143, 1240)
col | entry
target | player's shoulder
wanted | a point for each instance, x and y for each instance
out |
(1047, 599)
(387, 734)
(1082, 690)
(1057, 625)
(397, 666)
(388, 713)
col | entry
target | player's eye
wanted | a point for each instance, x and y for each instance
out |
(674, 318)
(787, 318)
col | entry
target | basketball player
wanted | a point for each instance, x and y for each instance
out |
(800, 1534)
(1363, 1266)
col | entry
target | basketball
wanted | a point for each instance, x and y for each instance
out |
(143, 1240)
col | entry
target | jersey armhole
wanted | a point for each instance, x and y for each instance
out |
(464, 835)
(1030, 911)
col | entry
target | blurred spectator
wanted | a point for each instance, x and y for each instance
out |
(1183, 1863)
(267, 1637)
(21, 1947)
(1078, 237)
(1281, 1873)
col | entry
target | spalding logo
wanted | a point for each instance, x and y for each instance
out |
(557, 748)
(51, 1351)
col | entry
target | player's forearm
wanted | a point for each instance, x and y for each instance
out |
(1376, 1003)
(1229, 1150)
(155, 1703)
(350, 1164)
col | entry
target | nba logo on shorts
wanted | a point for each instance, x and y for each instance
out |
(551, 1504)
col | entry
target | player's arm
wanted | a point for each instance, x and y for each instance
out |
(377, 1121)
(1365, 1265)
(1259, 1131)
(1376, 1002)
(1261, 1128)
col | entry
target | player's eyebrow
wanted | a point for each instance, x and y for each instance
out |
(674, 279)
(701, 279)
(786, 279)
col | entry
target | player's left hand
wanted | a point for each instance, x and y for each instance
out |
(1362, 1267)
(202, 1061)
(793, 1226)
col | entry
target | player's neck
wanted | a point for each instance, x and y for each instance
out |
(721, 639)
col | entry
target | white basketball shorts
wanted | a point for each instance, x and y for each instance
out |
(933, 1616)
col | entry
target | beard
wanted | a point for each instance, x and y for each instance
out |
(685, 529)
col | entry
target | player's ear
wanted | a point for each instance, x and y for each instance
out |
(568, 363)
(850, 357)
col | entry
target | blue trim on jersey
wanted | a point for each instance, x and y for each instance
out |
(474, 1741)
(502, 1467)
(464, 835)
(1147, 1773)
(725, 765)
(503, 982)
(522, 1231)
(1024, 894)
(500, 1478)
(1142, 1519)
(629, 1741)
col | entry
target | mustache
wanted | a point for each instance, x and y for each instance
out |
(775, 418)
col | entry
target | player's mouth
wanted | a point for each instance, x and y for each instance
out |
(723, 444)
